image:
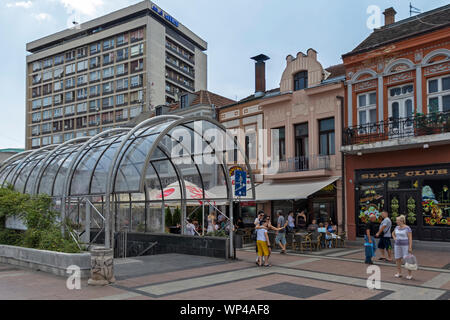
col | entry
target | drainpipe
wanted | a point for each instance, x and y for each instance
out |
(344, 220)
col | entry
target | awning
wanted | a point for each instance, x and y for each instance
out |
(291, 191)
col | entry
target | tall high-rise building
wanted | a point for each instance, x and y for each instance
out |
(107, 71)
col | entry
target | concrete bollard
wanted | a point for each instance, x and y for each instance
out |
(102, 267)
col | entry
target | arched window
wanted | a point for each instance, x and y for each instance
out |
(301, 80)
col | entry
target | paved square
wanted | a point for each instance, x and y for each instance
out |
(294, 290)
(325, 275)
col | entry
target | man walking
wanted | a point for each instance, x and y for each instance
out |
(369, 239)
(385, 237)
(280, 239)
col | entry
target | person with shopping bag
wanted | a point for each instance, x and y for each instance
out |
(402, 236)
(369, 239)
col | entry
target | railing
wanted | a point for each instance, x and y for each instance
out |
(306, 163)
(420, 125)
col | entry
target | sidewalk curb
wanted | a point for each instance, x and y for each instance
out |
(417, 244)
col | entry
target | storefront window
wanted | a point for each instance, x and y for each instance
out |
(436, 202)
(248, 213)
(371, 200)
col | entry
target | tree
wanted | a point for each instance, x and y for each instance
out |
(176, 219)
(168, 218)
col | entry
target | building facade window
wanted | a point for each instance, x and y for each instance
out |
(137, 50)
(94, 76)
(401, 106)
(279, 144)
(94, 62)
(301, 140)
(327, 136)
(439, 94)
(94, 105)
(108, 44)
(367, 108)
(122, 84)
(70, 68)
(94, 48)
(122, 54)
(301, 80)
(69, 110)
(108, 72)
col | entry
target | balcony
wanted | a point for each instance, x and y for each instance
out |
(314, 166)
(306, 163)
(398, 133)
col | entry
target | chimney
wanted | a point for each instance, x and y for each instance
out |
(389, 16)
(260, 74)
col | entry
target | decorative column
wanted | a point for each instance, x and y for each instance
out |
(380, 98)
(419, 107)
(349, 104)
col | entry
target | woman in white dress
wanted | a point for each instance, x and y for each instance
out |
(211, 222)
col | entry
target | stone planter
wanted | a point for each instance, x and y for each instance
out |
(102, 267)
(46, 261)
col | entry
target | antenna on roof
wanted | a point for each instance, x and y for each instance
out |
(413, 10)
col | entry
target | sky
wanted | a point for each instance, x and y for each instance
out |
(234, 29)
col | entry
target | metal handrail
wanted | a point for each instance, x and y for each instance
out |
(395, 128)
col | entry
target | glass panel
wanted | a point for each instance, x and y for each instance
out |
(169, 181)
(362, 100)
(154, 217)
(436, 203)
(370, 201)
(446, 103)
(100, 176)
(373, 98)
(153, 184)
(409, 108)
(373, 115)
(61, 174)
(445, 84)
(132, 164)
(83, 171)
(326, 125)
(24, 177)
(433, 105)
(362, 118)
(432, 86)
(395, 110)
(138, 218)
(45, 184)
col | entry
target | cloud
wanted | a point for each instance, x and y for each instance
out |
(85, 7)
(21, 4)
(42, 16)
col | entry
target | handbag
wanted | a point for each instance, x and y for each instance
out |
(411, 263)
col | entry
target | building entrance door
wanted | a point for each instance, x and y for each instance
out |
(407, 203)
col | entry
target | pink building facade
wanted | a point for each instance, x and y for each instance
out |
(292, 137)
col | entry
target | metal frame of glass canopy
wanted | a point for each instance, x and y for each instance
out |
(127, 176)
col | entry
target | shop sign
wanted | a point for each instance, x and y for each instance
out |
(241, 183)
(405, 174)
(166, 16)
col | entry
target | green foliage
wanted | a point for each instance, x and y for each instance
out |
(11, 237)
(168, 217)
(176, 219)
(218, 233)
(44, 228)
(11, 202)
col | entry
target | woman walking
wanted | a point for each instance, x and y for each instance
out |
(211, 222)
(263, 244)
(402, 236)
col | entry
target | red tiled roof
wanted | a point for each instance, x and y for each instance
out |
(205, 97)
(336, 71)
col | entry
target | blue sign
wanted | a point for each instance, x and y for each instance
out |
(169, 18)
(240, 183)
